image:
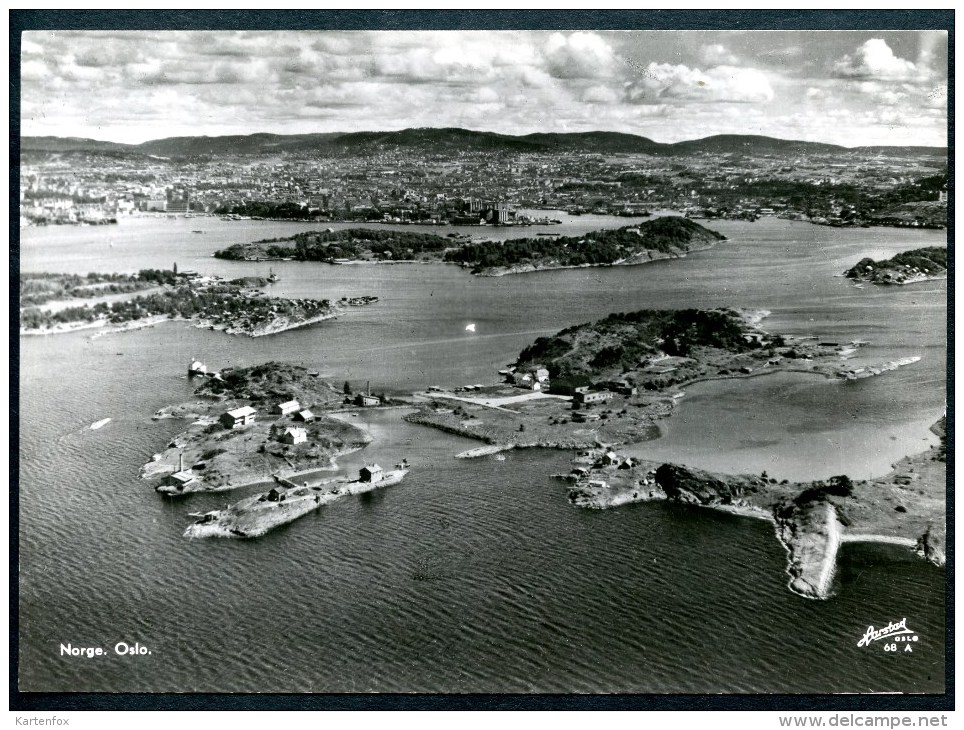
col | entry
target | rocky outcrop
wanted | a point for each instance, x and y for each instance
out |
(692, 486)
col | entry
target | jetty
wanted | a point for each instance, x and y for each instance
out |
(284, 503)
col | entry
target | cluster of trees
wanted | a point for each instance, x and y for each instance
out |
(264, 209)
(349, 243)
(837, 486)
(275, 381)
(622, 340)
(36, 289)
(664, 235)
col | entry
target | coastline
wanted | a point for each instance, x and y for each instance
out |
(277, 325)
(811, 529)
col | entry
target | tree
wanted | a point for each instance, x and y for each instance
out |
(347, 388)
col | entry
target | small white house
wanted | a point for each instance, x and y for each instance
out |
(294, 435)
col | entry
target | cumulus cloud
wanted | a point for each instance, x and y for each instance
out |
(579, 55)
(875, 60)
(716, 54)
(666, 82)
(133, 85)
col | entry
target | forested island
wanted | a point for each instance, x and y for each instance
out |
(921, 264)
(660, 238)
(206, 301)
(350, 244)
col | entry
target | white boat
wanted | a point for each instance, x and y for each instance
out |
(99, 424)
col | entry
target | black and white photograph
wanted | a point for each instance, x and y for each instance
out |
(530, 360)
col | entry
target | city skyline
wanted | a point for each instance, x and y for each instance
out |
(849, 88)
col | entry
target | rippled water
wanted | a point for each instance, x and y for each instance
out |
(472, 576)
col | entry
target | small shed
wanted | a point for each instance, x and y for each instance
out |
(276, 494)
(291, 406)
(305, 415)
(370, 473)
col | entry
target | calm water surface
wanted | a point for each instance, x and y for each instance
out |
(472, 576)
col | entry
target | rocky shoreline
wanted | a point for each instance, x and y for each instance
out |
(812, 521)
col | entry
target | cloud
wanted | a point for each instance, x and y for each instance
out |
(716, 54)
(666, 82)
(579, 55)
(136, 85)
(875, 60)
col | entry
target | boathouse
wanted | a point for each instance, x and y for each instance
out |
(294, 435)
(180, 479)
(238, 417)
(370, 473)
(287, 407)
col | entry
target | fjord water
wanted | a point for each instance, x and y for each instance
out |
(472, 576)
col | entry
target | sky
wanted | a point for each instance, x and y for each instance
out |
(844, 87)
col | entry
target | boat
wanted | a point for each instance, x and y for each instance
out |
(99, 424)
(272, 277)
(500, 457)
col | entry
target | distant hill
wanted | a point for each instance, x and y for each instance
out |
(71, 144)
(745, 143)
(451, 139)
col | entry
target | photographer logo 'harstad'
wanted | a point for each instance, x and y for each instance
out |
(896, 635)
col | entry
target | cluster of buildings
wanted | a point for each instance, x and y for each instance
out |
(454, 187)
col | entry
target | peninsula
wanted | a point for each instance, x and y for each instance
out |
(922, 264)
(232, 307)
(250, 424)
(812, 520)
(660, 238)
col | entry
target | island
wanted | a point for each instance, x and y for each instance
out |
(812, 520)
(613, 380)
(250, 425)
(208, 301)
(909, 267)
(342, 246)
(659, 238)
(652, 240)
